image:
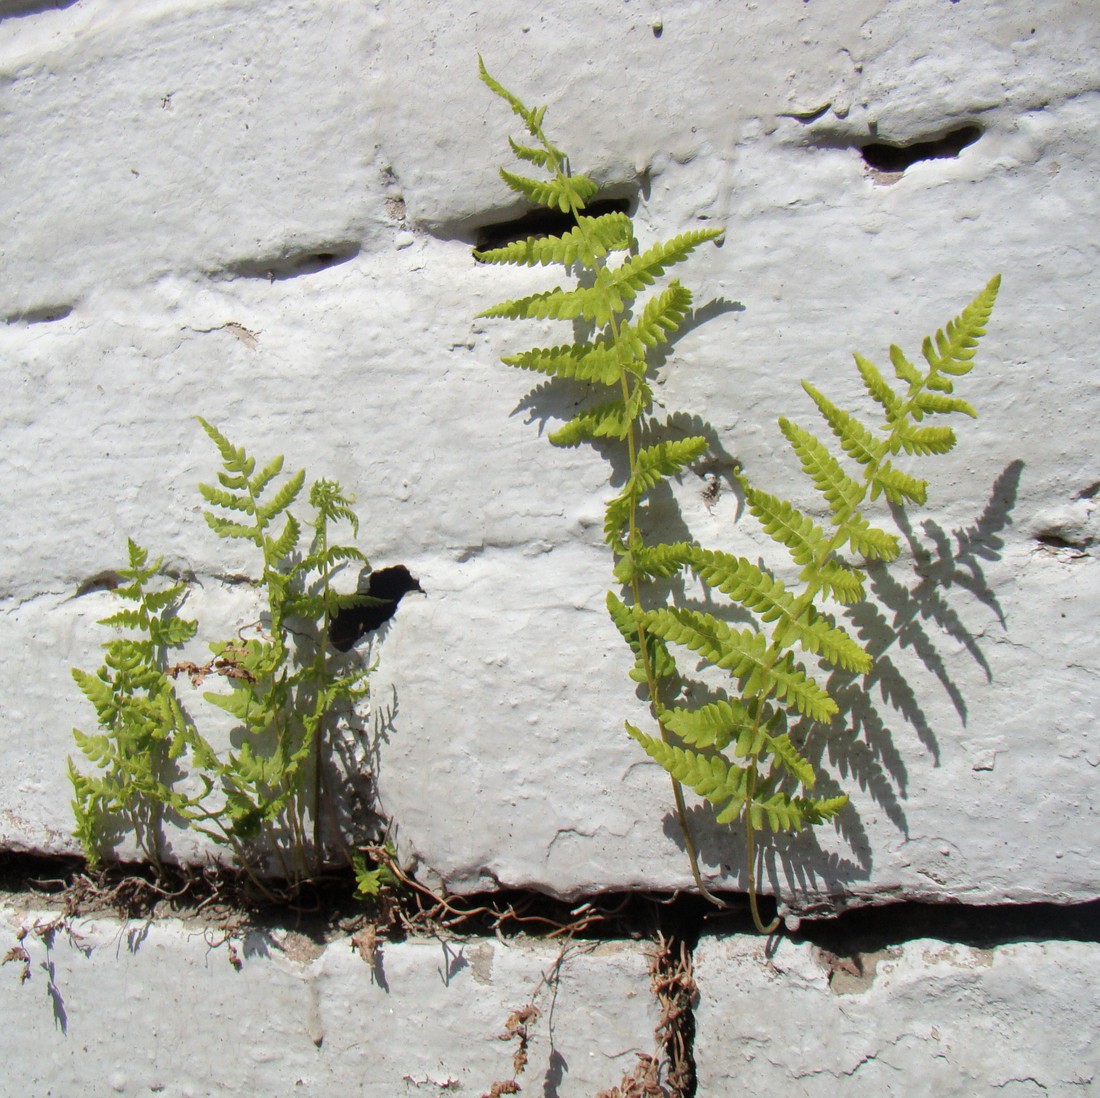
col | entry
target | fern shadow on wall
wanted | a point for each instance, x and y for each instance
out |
(883, 709)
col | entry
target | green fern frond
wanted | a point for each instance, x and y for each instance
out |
(715, 725)
(327, 498)
(660, 659)
(925, 440)
(952, 349)
(843, 494)
(593, 238)
(136, 555)
(566, 193)
(662, 561)
(787, 756)
(265, 476)
(786, 524)
(171, 632)
(662, 460)
(531, 116)
(545, 158)
(611, 420)
(926, 403)
(879, 388)
(233, 457)
(640, 271)
(557, 304)
(597, 362)
(869, 541)
(897, 485)
(786, 813)
(744, 654)
(839, 581)
(661, 316)
(904, 369)
(708, 775)
(857, 441)
(775, 689)
(157, 601)
(789, 683)
(125, 619)
(219, 497)
(226, 529)
(336, 555)
(284, 497)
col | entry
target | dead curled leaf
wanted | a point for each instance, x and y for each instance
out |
(365, 943)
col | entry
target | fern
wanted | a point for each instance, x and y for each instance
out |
(730, 750)
(143, 727)
(283, 689)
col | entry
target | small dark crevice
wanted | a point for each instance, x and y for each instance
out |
(293, 265)
(885, 157)
(15, 8)
(982, 926)
(544, 222)
(102, 581)
(43, 314)
(1054, 540)
(1089, 492)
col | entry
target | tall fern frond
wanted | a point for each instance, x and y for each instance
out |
(771, 663)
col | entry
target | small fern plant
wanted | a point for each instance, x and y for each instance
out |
(283, 692)
(143, 728)
(736, 750)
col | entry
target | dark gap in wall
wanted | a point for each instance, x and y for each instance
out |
(106, 580)
(607, 915)
(1054, 540)
(885, 157)
(15, 8)
(982, 926)
(43, 314)
(281, 267)
(544, 222)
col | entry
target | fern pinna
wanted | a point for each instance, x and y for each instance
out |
(736, 750)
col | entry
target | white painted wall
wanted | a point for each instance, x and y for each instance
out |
(160, 157)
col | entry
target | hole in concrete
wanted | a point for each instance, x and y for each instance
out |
(885, 157)
(9, 8)
(386, 585)
(294, 264)
(101, 581)
(1054, 540)
(43, 314)
(543, 222)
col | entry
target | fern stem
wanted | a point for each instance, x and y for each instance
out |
(750, 844)
(634, 538)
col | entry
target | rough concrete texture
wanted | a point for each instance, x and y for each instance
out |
(264, 214)
(161, 1008)
(923, 1018)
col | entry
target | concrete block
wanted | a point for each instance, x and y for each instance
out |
(266, 218)
(163, 1007)
(922, 1018)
